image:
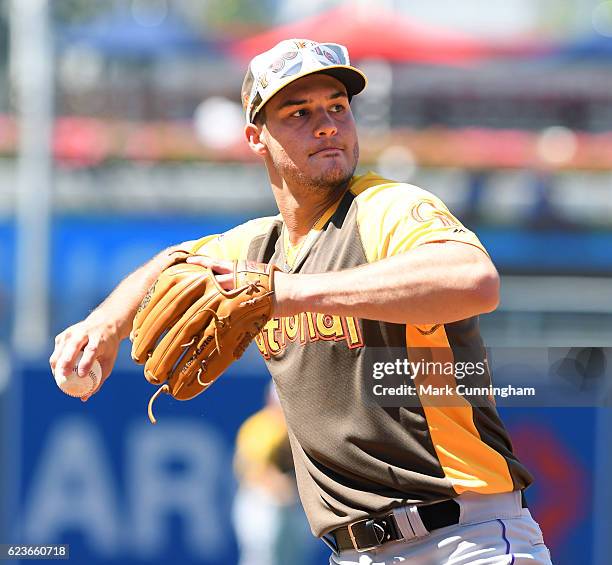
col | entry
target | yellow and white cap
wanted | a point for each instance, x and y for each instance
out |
(290, 60)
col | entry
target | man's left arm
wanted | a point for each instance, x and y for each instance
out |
(422, 266)
(435, 283)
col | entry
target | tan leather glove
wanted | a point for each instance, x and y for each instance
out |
(188, 330)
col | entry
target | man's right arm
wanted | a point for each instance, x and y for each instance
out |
(98, 336)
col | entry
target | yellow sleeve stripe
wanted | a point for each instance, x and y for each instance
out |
(429, 234)
(202, 242)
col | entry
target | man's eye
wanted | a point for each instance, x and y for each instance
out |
(299, 113)
(337, 107)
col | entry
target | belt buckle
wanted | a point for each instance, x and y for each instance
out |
(354, 541)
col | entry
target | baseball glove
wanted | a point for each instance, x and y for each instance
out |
(188, 330)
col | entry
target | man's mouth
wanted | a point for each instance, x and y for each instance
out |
(327, 151)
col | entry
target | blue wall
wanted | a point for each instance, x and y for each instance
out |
(100, 477)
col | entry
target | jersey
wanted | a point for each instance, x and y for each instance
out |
(352, 458)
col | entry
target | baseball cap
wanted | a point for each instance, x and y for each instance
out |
(290, 60)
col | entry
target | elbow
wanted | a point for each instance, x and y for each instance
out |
(486, 289)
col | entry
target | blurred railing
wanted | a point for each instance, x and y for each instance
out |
(568, 202)
(551, 311)
(82, 142)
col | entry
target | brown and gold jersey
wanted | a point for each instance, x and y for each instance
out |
(353, 457)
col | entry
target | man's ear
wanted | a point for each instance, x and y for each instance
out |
(253, 134)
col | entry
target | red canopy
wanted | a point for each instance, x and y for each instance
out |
(370, 32)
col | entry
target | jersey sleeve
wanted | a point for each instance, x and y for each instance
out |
(233, 244)
(395, 218)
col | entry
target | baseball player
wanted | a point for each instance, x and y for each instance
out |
(368, 266)
(268, 521)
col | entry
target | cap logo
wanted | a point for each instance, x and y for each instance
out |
(427, 211)
(330, 57)
(263, 81)
(277, 65)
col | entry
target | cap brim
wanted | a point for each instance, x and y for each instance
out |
(352, 78)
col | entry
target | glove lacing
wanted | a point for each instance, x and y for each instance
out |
(219, 323)
(162, 389)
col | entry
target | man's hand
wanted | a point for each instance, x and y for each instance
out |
(100, 334)
(223, 269)
(224, 274)
(96, 338)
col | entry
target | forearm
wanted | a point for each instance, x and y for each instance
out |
(434, 283)
(119, 308)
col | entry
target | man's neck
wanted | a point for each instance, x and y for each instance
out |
(302, 209)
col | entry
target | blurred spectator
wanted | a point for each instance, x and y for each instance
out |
(270, 524)
(544, 215)
(477, 185)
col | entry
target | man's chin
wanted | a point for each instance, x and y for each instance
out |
(334, 177)
(331, 182)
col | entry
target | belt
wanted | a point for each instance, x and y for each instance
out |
(372, 532)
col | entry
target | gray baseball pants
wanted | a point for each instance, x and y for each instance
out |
(492, 530)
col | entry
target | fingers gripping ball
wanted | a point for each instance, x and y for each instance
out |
(79, 387)
(188, 330)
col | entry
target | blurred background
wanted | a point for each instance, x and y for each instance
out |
(121, 134)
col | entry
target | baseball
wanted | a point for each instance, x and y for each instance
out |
(76, 386)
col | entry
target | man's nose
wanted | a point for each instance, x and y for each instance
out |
(326, 126)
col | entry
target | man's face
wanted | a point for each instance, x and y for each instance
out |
(310, 133)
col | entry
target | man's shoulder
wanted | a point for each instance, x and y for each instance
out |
(375, 191)
(234, 243)
(251, 229)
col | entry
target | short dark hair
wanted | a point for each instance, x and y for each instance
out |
(260, 117)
